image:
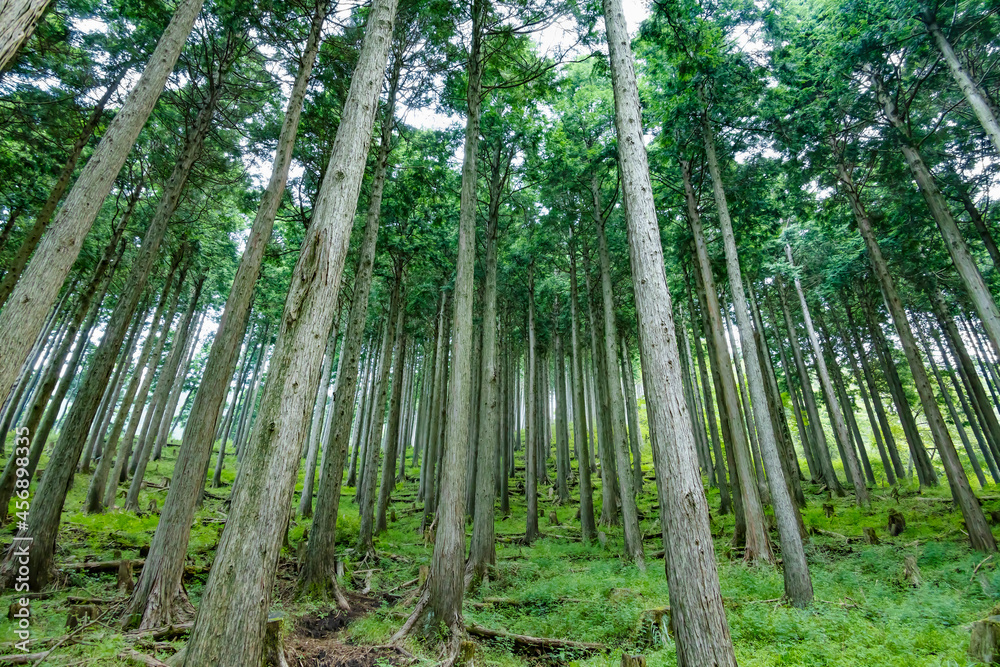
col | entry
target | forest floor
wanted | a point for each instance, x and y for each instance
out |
(865, 612)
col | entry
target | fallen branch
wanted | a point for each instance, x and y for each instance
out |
(141, 658)
(102, 566)
(981, 563)
(22, 658)
(533, 642)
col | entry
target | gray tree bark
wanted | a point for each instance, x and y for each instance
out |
(229, 627)
(701, 631)
(36, 291)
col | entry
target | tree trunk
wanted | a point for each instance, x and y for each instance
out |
(562, 429)
(163, 387)
(229, 627)
(316, 430)
(392, 428)
(979, 292)
(821, 450)
(701, 631)
(482, 550)
(757, 546)
(36, 291)
(367, 498)
(979, 532)
(18, 19)
(632, 414)
(970, 413)
(839, 425)
(798, 584)
(114, 448)
(973, 95)
(530, 420)
(873, 422)
(613, 381)
(588, 526)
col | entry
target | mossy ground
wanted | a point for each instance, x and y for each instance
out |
(863, 615)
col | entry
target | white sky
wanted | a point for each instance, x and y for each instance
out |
(552, 38)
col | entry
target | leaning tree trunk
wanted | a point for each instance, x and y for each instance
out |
(979, 292)
(18, 19)
(43, 524)
(821, 450)
(979, 531)
(159, 402)
(758, 547)
(113, 448)
(34, 235)
(973, 94)
(318, 575)
(700, 627)
(36, 291)
(229, 627)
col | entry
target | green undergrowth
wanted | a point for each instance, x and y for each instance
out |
(864, 614)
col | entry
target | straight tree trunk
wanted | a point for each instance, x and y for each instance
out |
(562, 429)
(373, 452)
(613, 382)
(482, 550)
(588, 527)
(392, 428)
(230, 625)
(530, 419)
(445, 585)
(36, 291)
(316, 431)
(701, 631)
(632, 414)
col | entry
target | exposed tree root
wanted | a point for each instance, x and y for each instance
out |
(548, 643)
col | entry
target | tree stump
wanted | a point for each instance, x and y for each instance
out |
(81, 613)
(126, 582)
(422, 575)
(633, 660)
(659, 625)
(152, 506)
(466, 653)
(897, 524)
(995, 517)
(911, 573)
(392, 515)
(274, 643)
(602, 538)
(553, 518)
(984, 644)
(828, 509)
(17, 610)
(871, 537)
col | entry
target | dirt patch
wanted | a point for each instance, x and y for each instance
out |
(315, 627)
(333, 654)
